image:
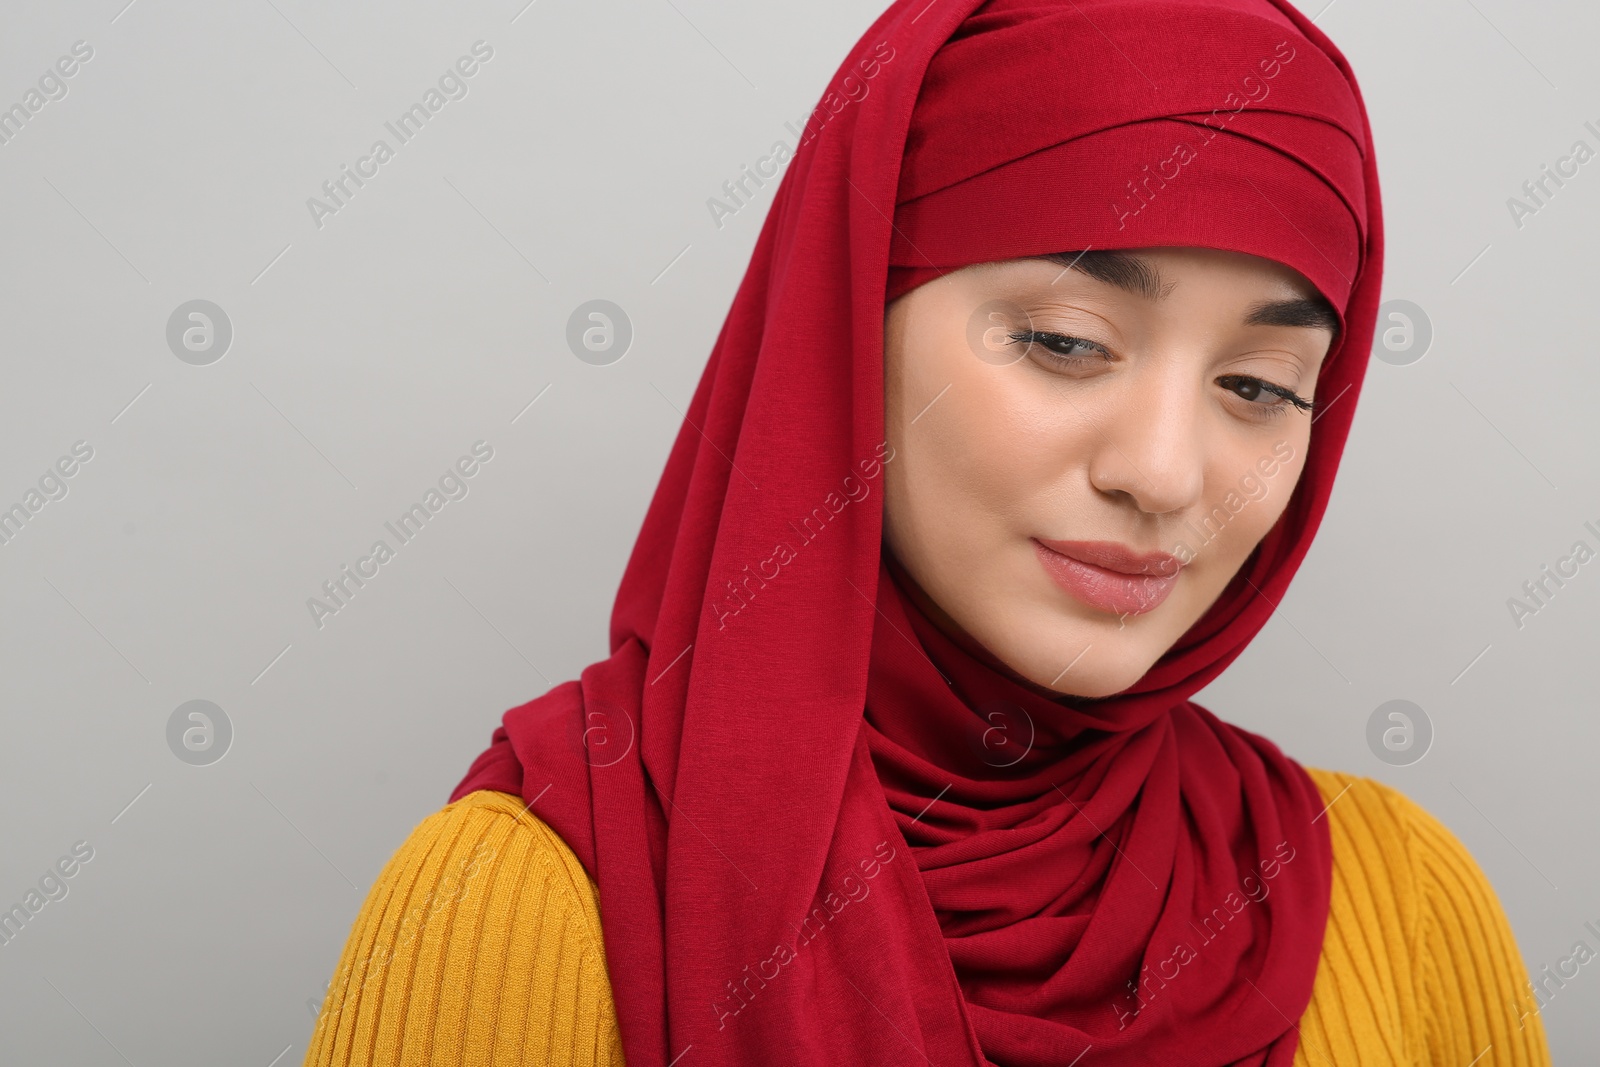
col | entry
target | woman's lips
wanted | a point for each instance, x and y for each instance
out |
(1139, 582)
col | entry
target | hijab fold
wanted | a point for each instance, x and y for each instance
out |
(824, 831)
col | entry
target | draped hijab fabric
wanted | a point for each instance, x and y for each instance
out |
(825, 832)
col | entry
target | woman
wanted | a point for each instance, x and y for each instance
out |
(1022, 419)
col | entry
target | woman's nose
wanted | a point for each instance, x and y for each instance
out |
(1150, 446)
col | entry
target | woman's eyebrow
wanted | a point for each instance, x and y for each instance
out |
(1312, 312)
(1124, 270)
(1140, 277)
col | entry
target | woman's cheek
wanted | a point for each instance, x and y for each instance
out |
(1253, 497)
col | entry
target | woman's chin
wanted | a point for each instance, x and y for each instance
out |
(1068, 668)
(1096, 686)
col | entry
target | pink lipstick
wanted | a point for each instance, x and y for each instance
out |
(1109, 576)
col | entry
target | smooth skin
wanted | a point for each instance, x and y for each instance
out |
(1119, 398)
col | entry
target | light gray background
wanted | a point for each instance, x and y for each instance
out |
(370, 353)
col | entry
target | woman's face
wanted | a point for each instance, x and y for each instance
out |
(1086, 455)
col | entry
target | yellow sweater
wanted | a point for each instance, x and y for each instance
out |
(480, 944)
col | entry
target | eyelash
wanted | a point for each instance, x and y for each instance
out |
(1286, 397)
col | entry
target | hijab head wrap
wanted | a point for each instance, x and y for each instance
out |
(783, 779)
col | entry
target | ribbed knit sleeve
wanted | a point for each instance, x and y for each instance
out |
(1419, 964)
(478, 944)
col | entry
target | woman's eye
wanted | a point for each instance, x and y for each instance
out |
(1060, 346)
(1273, 399)
(1265, 399)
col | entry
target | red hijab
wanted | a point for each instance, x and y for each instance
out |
(823, 831)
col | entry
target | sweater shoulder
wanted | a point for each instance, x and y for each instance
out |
(496, 813)
(1418, 952)
(479, 943)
